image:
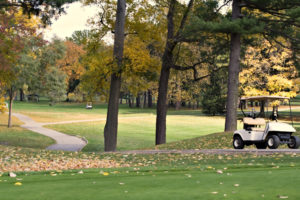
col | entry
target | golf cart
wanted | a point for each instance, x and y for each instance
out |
(89, 105)
(262, 133)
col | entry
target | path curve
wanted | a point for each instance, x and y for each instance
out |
(64, 142)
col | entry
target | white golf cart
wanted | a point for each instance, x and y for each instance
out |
(89, 105)
(261, 133)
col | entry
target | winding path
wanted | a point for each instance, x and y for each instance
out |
(64, 142)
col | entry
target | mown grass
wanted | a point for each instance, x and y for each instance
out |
(17, 136)
(222, 140)
(165, 176)
(139, 132)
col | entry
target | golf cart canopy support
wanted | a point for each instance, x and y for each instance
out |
(263, 98)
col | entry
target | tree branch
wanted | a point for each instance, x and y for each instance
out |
(203, 77)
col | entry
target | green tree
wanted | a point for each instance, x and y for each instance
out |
(214, 93)
(271, 18)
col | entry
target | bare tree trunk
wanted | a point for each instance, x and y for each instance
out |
(150, 104)
(233, 73)
(111, 126)
(145, 99)
(21, 95)
(167, 63)
(11, 99)
(130, 102)
(138, 101)
(262, 109)
(178, 105)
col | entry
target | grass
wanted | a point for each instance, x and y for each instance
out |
(137, 133)
(17, 136)
(172, 176)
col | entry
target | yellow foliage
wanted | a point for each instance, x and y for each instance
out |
(268, 70)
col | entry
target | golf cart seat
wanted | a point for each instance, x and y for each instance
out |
(254, 124)
(256, 121)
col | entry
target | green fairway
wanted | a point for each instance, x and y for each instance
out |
(17, 136)
(252, 178)
(139, 132)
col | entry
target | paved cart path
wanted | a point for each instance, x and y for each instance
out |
(214, 151)
(64, 142)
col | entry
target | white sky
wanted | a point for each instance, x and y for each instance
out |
(75, 19)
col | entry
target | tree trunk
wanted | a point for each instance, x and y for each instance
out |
(262, 109)
(21, 95)
(145, 99)
(233, 73)
(11, 99)
(161, 109)
(138, 101)
(129, 102)
(167, 63)
(178, 105)
(150, 104)
(111, 126)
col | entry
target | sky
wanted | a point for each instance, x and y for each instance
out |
(75, 19)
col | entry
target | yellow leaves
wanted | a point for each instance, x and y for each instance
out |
(268, 71)
(105, 174)
(18, 184)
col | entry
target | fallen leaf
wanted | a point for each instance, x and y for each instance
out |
(282, 197)
(18, 183)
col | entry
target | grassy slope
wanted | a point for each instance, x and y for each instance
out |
(212, 141)
(17, 136)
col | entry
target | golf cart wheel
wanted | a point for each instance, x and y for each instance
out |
(262, 145)
(238, 142)
(273, 141)
(295, 142)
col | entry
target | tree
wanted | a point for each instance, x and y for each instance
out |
(269, 18)
(17, 35)
(167, 64)
(233, 72)
(51, 79)
(213, 97)
(71, 65)
(46, 9)
(111, 126)
(268, 69)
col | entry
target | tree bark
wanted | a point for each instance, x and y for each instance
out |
(21, 95)
(11, 99)
(138, 101)
(145, 99)
(233, 73)
(167, 63)
(150, 104)
(111, 126)
(178, 105)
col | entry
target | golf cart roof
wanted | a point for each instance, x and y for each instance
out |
(263, 98)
